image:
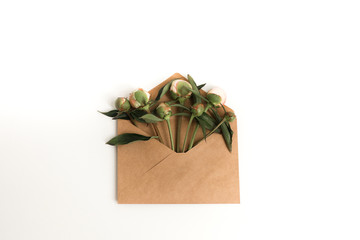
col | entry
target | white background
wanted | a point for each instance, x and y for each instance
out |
(291, 71)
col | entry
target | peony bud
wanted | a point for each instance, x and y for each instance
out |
(197, 109)
(216, 96)
(122, 104)
(164, 110)
(139, 98)
(230, 116)
(180, 89)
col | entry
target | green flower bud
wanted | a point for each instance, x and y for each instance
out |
(164, 110)
(216, 96)
(139, 98)
(197, 109)
(180, 89)
(230, 116)
(122, 104)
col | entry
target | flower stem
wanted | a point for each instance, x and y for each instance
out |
(178, 131)
(157, 131)
(187, 132)
(222, 121)
(171, 135)
(155, 128)
(193, 136)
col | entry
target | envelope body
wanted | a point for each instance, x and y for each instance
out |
(149, 172)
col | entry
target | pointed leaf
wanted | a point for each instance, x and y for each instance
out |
(227, 123)
(225, 130)
(126, 138)
(111, 113)
(223, 107)
(121, 115)
(137, 113)
(163, 90)
(151, 118)
(201, 86)
(202, 125)
(230, 130)
(197, 99)
(208, 122)
(227, 136)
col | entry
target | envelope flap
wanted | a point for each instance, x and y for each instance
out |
(135, 158)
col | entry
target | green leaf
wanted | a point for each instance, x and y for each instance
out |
(223, 107)
(226, 132)
(111, 113)
(163, 90)
(181, 106)
(230, 130)
(122, 115)
(137, 114)
(151, 118)
(201, 86)
(227, 123)
(197, 99)
(126, 138)
(202, 125)
(208, 122)
(227, 136)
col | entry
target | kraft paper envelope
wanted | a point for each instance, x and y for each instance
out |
(151, 173)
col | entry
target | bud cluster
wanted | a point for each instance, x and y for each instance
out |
(180, 91)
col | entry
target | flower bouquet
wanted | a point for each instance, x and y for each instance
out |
(176, 120)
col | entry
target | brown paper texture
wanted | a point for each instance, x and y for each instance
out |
(151, 173)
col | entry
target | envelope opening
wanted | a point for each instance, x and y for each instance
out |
(145, 129)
